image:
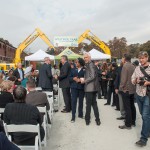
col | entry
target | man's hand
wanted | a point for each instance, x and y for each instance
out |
(78, 80)
(116, 91)
(19, 80)
(146, 83)
(75, 79)
(82, 80)
(56, 77)
(138, 80)
(103, 73)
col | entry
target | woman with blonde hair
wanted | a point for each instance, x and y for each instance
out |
(5, 93)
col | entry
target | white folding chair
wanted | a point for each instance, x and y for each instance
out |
(25, 128)
(50, 98)
(45, 122)
(1, 111)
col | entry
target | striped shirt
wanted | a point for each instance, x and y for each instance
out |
(140, 90)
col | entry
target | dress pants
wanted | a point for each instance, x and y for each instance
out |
(116, 100)
(101, 86)
(109, 94)
(67, 98)
(104, 86)
(75, 94)
(122, 111)
(99, 91)
(91, 101)
(128, 101)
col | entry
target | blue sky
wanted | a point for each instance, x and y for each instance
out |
(105, 18)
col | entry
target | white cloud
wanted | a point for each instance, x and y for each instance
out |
(105, 18)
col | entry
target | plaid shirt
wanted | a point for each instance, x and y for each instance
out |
(140, 90)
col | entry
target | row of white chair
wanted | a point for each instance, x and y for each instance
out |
(35, 128)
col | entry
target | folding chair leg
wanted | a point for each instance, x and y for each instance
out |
(37, 147)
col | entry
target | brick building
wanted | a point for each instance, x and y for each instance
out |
(7, 52)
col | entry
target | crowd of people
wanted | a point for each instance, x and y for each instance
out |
(120, 85)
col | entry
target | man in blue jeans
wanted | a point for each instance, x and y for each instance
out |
(143, 101)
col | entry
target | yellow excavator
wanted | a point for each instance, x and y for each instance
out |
(37, 33)
(91, 37)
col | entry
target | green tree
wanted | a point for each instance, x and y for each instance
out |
(118, 46)
(133, 49)
(145, 47)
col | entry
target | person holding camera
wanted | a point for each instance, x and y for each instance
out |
(141, 78)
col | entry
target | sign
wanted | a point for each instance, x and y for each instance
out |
(67, 41)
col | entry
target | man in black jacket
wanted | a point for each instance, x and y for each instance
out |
(45, 75)
(19, 74)
(64, 83)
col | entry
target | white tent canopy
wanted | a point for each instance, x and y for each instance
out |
(97, 55)
(39, 56)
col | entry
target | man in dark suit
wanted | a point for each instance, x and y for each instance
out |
(19, 74)
(90, 88)
(45, 75)
(64, 83)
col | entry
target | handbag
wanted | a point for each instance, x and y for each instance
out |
(148, 79)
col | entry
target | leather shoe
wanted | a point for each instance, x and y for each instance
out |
(81, 117)
(133, 124)
(64, 111)
(140, 143)
(87, 123)
(120, 118)
(106, 104)
(98, 122)
(72, 120)
(124, 127)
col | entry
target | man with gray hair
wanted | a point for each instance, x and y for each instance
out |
(45, 75)
(91, 88)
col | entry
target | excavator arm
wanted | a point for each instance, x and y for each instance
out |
(28, 41)
(95, 40)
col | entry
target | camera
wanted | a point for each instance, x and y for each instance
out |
(142, 81)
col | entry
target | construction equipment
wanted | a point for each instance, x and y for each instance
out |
(95, 40)
(37, 33)
(7, 66)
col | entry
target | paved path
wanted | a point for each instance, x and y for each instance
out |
(77, 136)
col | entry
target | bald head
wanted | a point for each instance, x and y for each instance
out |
(87, 57)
